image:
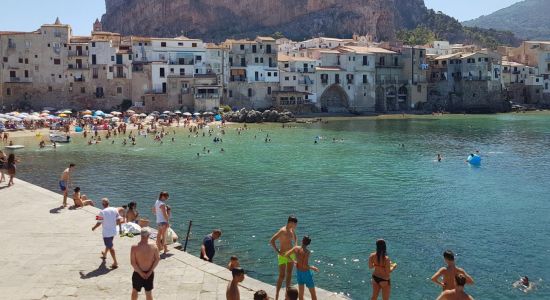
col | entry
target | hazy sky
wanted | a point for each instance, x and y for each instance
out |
(28, 15)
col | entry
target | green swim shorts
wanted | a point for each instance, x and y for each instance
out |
(283, 260)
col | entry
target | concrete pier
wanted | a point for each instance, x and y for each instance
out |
(51, 253)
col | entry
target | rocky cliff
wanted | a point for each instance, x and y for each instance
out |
(296, 19)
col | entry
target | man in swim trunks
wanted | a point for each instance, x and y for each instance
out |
(145, 258)
(458, 292)
(287, 239)
(64, 183)
(303, 269)
(450, 272)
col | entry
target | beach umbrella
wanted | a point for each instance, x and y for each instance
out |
(99, 113)
(13, 113)
(63, 115)
(164, 116)
(130, 111)
(196, 114)
(87, 116)
(208, 113)
(2, 120)
(68, 111)
(177, 112)
(116, 113)
(166, 112)
(187, 114)
(108, 116)
(46, 111)
(115, 119)
(218, 118)
(87, 112)
(142, 115)
(155, 113)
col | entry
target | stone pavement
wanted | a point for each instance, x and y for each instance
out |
(51, 253)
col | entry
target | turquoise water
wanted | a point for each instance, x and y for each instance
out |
(346, 195)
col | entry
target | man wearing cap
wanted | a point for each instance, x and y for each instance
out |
(232, 292)
(145, 258)
(109, 219)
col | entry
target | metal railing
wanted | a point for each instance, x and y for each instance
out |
(78, 53)
(78, 66)
(207, 96)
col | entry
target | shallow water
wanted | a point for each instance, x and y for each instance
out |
(346, 195)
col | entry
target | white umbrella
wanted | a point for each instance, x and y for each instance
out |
(143, 115)
(166, 112)
(108, 116)
(116, 113)
(46, 111)
(2, 120)
(87, 116)
(187, 114)
(130, 111)
(115, 119)
(177, 112)
(196, 114)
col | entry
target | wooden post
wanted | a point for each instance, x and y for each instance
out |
(187, 237)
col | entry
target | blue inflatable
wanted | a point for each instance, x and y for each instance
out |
(474, 160)
(78, 129)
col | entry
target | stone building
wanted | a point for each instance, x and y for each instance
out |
(252, 74)
(297, 79)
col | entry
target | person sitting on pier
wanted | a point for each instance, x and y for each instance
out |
(81, 200)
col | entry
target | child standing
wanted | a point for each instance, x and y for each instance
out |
(303, 269)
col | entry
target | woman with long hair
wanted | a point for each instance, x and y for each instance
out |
(382, 265)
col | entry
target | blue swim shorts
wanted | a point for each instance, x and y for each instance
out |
(305, 278)
(62, 185)
(108, 241)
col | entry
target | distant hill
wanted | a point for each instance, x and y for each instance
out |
(528, 19)
(216, 20)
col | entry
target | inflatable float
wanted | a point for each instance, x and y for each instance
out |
(14, 147)
(474, 160)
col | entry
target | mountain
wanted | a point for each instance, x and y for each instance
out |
(216, 20)
(527, 19)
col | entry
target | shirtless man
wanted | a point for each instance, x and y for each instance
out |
(232, 292)
(81, 200)
(286, 236)
(64, 183)
(458, 293)
(303, 269)
(450, 272)
(145, 258)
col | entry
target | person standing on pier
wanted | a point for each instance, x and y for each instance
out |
(232, 292)
(382, 265)
(207, 248)
(109, 219)
(161, 212)
(287, 239)
(145, 258)
(64, 183)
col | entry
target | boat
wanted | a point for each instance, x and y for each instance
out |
(59, 138)
(14, 147)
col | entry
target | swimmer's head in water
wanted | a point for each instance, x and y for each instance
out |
(306, 240)
(71, 165)
(132, 205)
(77, 189)
(449, 255)
(460, 279)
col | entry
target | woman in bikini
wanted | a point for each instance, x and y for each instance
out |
(382, 265)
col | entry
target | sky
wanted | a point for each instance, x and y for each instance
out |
(28, 15)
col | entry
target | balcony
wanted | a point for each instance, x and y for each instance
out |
(379, 65)
(78, 53)
(188, 62)
(155, 91)
(78, 66)
(306, 82)
(18, 80)
(119, 75)
(476, 78)
(80, 79)
(238, 78)
(207, 96)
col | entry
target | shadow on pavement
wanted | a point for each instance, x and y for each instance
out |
(56, 210)
(101, 270)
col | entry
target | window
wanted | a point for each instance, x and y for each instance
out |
(419, 88)
(242, 47)
(182, 71)
(268, 74)
(349, 78)
(129, 56)
(230, 94)
(194, 45)
(119, 90)
(293, 77)
(20, 60)
(26, 61)
(112, 58)
(50, 89)
(198, 58)
(95, 73)
(256, 60)
(254, 48)
(161, 72)
(83, 90)
(93, 44)
(261, 60)
(275, 74)
(337, 78)
(163, 44)
(8, 91)
(268, 49)
(57, 61)
(36, 68)
(287, 78)
(26, 73)
(324, 78)
(249, 92)
(365, 60)
(269, 90)
(5, 59)
(286, 65)
(180, 44)
(382, 61)
(365, 79)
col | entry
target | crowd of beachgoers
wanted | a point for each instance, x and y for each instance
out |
(98, 127)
